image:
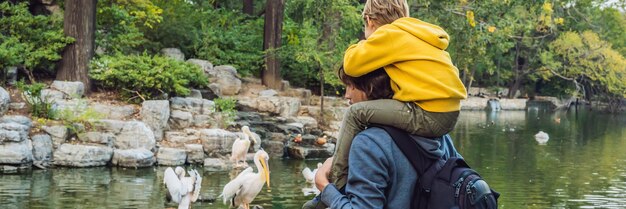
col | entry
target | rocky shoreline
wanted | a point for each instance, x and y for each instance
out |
(181, 130)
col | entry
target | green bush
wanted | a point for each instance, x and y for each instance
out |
(143, 77)
(231, 39)
(120, 24)
(39, 106)
(226, 109)
(30, 41)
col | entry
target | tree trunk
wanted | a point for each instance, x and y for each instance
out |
(274, 12)
(248, 7)
(80, 23)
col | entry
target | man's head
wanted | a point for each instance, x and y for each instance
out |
(374, 85)
(377, 13)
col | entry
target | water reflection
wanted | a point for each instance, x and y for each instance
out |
(581, 166)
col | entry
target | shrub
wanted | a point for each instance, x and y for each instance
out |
(30, 41)
(226, 109)
(39, 106)
(143, 77)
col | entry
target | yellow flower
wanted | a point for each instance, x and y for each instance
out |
(559, 21)
(470, 18)
(491, 29)
(547, 7)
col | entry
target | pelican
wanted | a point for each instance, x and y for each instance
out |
(181, 189)
(542, 137)
(241, 146)
(245, 187)
(309, 175)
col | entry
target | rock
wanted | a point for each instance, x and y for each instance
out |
(300, 152)
(195, 153)
(195, 93)
(275, 149)
(174, 53)
(76, 155)
(225, 76)
(216, 164)
(513, 104)
(303, 94)
(193, 105)
(156, 113)
(217, 141)
(114, 111)
(5, 99)
(171, 156)
(97, 138)
(73, 89)
(13, 132)
(180, 119)
(268, 93)
(42, 148)
(17, 106)
(135, 135)
(179, 139)
(58, 133)
(9, 136)
(474, 103)
(52, 95)
(211, 93)
(206, 66)
(133, 158)
(283, 106)
(17, 119)
(16, 153)
(11, 75)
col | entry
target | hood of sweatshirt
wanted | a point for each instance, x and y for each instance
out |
(437, 147)
(429, 33)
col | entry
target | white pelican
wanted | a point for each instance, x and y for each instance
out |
(542, 137)
(181, 189)
(245, 187)
(241, 146)
(309, 175)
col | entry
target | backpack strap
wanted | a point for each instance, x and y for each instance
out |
(415, 154)
(407, 145)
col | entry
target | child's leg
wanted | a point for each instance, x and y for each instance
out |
(383, 111)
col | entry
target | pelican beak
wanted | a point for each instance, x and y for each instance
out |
(265, 171)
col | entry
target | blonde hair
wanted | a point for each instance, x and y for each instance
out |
(385, 11)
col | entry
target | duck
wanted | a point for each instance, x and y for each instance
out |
(322, 140)
(309, 175)
(542, 137)
(298, 138)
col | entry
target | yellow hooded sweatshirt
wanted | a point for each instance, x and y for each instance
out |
(413, 54)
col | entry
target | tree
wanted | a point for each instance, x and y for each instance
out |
(588, 62)
(248, 7)
(79, 23)
(274, 14)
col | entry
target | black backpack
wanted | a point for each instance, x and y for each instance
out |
(444, 184)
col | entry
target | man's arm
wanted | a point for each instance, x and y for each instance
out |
(367, 178)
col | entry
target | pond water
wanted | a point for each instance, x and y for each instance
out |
(581, 166)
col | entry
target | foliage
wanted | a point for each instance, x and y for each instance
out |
(78, 117)
(29, 41)
(142, 77)
(315, 35)
(119, 24)
(226, 109)
(229, 38)
(585, 58)
(40, 106)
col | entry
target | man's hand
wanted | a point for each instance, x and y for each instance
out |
(321, 177)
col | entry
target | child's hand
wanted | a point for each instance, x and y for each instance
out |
(321, 177)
